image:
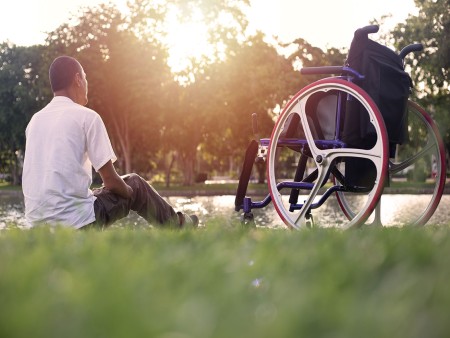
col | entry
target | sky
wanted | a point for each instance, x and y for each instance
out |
(323, 23)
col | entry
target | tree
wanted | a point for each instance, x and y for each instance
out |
(191, 106)
(431, 27)
(126, 76)
(152, 114)
(429, 68)
(224, 21)
(253, 79)
(22, 93)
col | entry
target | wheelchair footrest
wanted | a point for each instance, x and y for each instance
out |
(249, 160)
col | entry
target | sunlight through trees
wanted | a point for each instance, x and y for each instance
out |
(176, 82)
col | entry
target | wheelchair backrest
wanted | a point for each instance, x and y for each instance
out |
(387, 84)
(321, 114)
(385, 81)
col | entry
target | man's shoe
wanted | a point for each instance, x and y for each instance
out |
(187, 220)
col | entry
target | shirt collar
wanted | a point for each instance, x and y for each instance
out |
(62, 99)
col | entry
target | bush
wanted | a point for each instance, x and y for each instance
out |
(418, 173)
(201, 177)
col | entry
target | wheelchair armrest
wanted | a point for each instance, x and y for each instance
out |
(322, 70)
(342, 70)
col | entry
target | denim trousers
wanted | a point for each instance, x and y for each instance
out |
(146, 201)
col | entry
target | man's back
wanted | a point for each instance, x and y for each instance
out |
(62, 140)
(65, 141)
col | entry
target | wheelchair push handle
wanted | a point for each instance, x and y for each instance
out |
(359, 33)
(415, 47)
(367, 30)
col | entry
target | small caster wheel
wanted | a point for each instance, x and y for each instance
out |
(248, 220)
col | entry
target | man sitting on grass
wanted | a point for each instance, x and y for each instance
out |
(63, 142)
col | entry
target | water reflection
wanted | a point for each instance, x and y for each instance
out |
(395, 209)
(222, 207)
(11, 210)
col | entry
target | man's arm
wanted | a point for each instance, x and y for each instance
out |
(113, 182)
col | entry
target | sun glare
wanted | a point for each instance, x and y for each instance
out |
(187, 40)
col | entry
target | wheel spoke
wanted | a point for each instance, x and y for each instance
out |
(322, 176)
(424, 183)
(395, 168)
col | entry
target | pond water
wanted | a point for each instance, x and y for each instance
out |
(394, 207)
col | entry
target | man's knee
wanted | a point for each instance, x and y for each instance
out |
(135, 181)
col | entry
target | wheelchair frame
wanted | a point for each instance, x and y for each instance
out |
(329, 156)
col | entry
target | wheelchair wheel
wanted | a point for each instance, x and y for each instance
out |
(417, 172)
(318, 148)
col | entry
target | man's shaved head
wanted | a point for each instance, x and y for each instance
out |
(62, 72)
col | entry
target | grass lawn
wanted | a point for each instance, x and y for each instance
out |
(7, 186)
(225, 281)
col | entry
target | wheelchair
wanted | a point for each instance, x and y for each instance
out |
(346, 142)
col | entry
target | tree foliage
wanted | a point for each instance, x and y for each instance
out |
(430, 68)
(126, 75)
(431, 27)
(197, 118)
(23, 90)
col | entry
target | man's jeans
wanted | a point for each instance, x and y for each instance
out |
(148, 204)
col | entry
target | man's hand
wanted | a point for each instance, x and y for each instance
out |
(113, 182)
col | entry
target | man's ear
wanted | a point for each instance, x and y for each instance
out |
(78, 79)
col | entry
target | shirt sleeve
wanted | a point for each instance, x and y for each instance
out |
(98, 144)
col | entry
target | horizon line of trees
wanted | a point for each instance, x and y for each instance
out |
(169, 126)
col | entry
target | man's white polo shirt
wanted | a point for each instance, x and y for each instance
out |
(63, 142)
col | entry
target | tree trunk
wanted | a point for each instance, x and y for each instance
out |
(15, 165)
(261, 167)
(188, 162)
(231, 165)
(123, 137)
(16, 169)
(168, 169)
(15, 174)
